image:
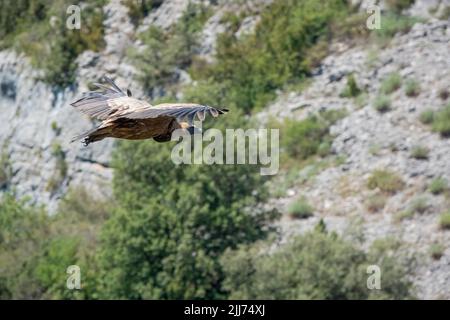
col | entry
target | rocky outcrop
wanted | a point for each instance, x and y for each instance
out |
(39, 122)
(367, 140)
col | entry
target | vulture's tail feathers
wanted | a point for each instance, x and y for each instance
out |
(85, 135)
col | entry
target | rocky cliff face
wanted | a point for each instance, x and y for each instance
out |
(38, 123)
(368, 140)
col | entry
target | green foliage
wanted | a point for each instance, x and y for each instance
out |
(385, 180)
(80, 205)
(376, 202)
(438, 185)
(316, 265)
(351, 89)
(391, 83)
(234, 19)
(391, 24)
(300, 209)
(382, 103)
(361, 100)
(412, 88)
(332, 116)
(444, 221)
(420, 152)
(437, 251)
(445, 14)
(441, 121)
(172, 222)
(419, 205)
(427, 117)
(139, 9)
(36, 249)
(57, 255)
(395, 265)
(165, 52)
(27, 27)
(353, 27)
(170, 225)
(22, 230)
(405, 214)
(308, 137)
(324, 148)
(251, 68)
(399, 5)
(15, 13)
(302, 139)
(55, 128)
(5, 168)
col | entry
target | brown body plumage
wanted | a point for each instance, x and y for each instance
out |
(128, 118)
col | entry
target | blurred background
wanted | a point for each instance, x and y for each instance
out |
(364, 119)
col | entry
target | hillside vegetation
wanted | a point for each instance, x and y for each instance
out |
(212, 232)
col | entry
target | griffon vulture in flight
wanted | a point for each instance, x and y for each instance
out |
(128, 118)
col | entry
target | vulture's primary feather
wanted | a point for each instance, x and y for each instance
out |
(125, 117)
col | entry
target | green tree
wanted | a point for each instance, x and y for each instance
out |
(251, 68)
(173, 222)
(22, 233)
(25, 26)
(167, 51)
(36, 249)
(315, 265)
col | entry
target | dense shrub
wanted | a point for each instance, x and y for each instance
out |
(412, 88)
(351, 89)
(427, 117)
(419, 205)
(27, 28)
(305, 138)
(376, 202)
(251, 68)
(391, 83)
(391, 24)
(302, 138)
(420, 152)
(139, 9)
(167, 51)
(437, 251)
(441, 121)
(22, 231)
(5, 168)
(382, 103)
(316, 265)
(444, 220)
(438, 185)
(36, 249)
(300, 209)
(399, 5)
(386, 181)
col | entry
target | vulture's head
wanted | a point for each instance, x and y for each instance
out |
(191, 129)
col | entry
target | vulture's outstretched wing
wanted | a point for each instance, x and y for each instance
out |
(109, 101)
(112, 103)
(179, 111)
